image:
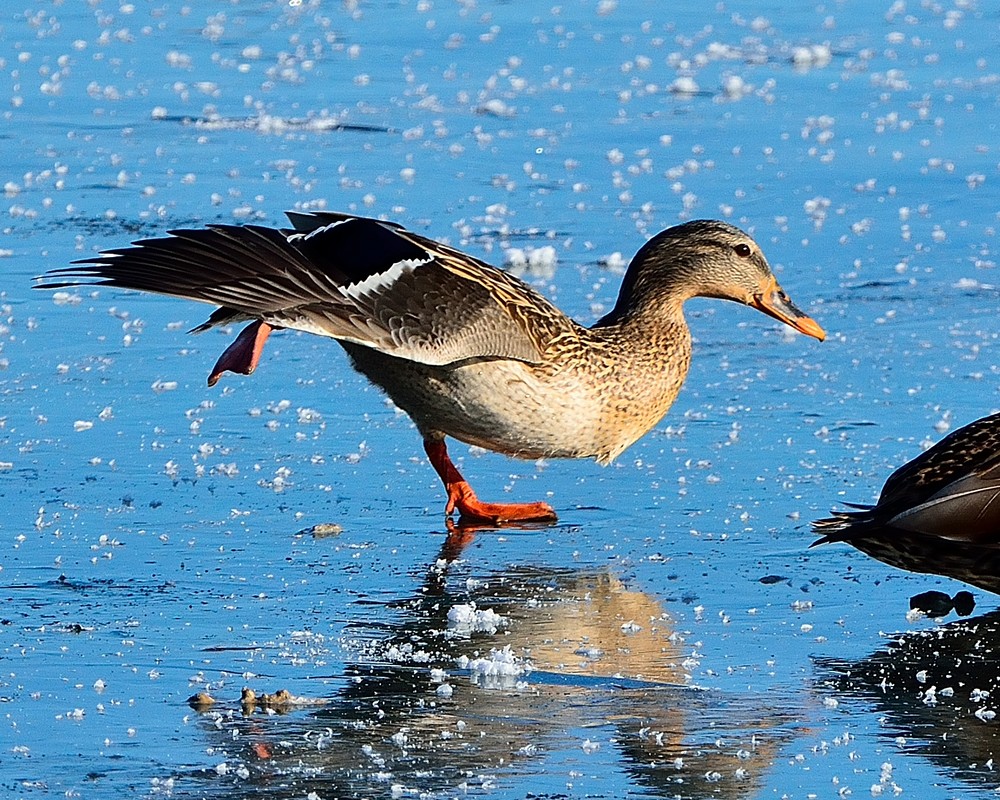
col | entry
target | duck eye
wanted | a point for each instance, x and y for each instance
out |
(742, 250)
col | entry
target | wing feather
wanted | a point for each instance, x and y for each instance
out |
(346, 277)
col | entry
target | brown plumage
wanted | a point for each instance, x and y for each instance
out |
(464, 348)
(939, 513)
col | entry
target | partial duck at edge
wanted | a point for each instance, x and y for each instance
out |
(939, 513)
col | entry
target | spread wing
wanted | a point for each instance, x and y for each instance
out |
(351, 278)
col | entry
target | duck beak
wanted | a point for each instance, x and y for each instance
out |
(775, 303)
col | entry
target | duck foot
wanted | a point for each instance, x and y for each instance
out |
(472, 509)
(243, 354)
(462, 498)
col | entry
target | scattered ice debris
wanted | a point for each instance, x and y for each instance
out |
(811, 56)
(240, 770)
(228, 470)
(406, 653)
(495, 108)
(589, 746)
(400, 738)
(537, 261)
(685, 86)
(500, 668)
(973, 285)
(279, 482)
(308, 416)
(915, 614)
(615, 262)
(82, 425)
(886, 782)
(465, 619)
(354, 458)
(66, 298)
(734, 87)
(276, 125)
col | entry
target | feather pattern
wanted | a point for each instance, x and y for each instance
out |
(350, 278)
(951, 491)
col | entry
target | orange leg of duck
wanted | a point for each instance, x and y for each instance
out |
(243, 354)
(461, 496)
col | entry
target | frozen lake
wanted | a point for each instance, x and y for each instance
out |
(672, 635)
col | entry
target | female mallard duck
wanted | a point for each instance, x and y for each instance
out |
(939, 513)
(465, 349)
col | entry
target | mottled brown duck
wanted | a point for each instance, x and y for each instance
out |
(466, 349)
(939, 513)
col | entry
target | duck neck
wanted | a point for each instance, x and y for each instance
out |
(653, 339)
(640, 310)
(653, 295)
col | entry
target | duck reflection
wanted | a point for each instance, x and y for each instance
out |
(940, 513)
(937, 687)
(479, 681)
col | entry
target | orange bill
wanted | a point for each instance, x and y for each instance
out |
(775, 303)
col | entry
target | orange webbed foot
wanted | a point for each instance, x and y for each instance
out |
(243, 354)
(471, 508)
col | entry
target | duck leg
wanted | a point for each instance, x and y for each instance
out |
(243, 354)
(470, 507)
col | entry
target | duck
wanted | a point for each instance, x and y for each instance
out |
(939, 513)
(467, 350)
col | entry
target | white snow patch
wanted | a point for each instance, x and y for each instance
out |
(540, 261)
(501, 668)
(465, 619)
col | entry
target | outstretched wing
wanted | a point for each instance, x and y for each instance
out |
(336, 275)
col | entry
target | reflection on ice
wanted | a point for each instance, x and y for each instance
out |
(937, 692)
(483, 679)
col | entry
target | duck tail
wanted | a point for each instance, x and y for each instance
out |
(843, 526)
